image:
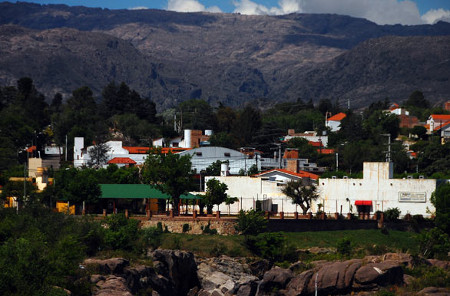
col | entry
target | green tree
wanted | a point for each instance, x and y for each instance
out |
(305, 150)
(215, 194)
(214, 168)
(417, 99)
(170, 173)
(247, 124)
(441, 201)
(301, 194)
(251, 222)
(98, 155)
(197, 114)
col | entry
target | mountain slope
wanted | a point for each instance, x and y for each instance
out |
(383, 67)
(229, 58)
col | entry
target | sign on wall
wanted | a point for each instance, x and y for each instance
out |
(412, 197)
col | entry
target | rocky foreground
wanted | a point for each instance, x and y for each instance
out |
(180, 273)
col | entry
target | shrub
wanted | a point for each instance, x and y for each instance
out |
(434, 244)
(344, 247)
(392, 214)
(186, 227)
(207, 229)
(121, 232)
(271, 246)
(151, 236)
(251, 222)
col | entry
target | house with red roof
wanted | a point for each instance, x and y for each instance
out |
(334, 122)
(438, 122)
(116, 154)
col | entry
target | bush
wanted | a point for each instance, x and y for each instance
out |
(271, 246)
(434, 244)
(207, 229)
(344, 247)
(121, 233)
(251, 222)
(392, 214)
(151, 236)
(186, 227)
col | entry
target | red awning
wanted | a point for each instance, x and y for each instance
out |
(363, 202)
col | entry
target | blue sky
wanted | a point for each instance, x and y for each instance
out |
(380, 11)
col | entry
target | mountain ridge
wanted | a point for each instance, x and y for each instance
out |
(227, 58)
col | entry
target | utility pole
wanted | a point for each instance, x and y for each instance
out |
(66, 147)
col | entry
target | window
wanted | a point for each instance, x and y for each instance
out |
(227, 154)
(198, 153)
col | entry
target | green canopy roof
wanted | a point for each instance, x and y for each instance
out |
(137, 191)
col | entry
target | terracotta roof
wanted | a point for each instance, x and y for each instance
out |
(394, 106)
(122, 160)
(31, 149)
(301, 174)
(440, 116)
(137, 150)
(325, 151)
(337, 117)
(145, 150)
(315, 144)
(438, 127)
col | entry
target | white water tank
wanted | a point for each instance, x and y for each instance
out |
(224, 170)
(187, 138)
(208, 133)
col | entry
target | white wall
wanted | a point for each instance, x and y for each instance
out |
(376, 186)
(251, 189)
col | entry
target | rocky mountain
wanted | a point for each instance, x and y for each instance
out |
(229, 58)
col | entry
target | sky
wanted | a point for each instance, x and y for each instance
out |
(405, 12)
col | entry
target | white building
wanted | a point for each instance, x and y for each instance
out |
(377, 191)
(204, 156)
(190, 139)
(334, 122)
(265, 188)
(311, 136)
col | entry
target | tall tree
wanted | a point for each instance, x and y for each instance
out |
(215, 194)
(301, 194)
(170, 173)
(247, 125)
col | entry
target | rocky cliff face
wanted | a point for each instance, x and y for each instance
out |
(179, 273)
(230, 58)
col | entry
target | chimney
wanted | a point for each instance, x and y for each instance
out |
(292, 165)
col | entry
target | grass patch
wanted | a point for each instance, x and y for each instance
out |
(360, 239)
(363, 242)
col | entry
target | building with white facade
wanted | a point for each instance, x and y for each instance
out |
(311, 136)
(334, 122)
(118, 154)
(190, 139)
(377, 191)
(203, 157)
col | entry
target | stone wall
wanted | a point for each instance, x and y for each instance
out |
(223, 226)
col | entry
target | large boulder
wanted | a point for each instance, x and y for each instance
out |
(433, 291)
(378, 274)
(275, 279)
(112, 286)
(178, 267)
(439, 263)
(225, 276)
(299, 284)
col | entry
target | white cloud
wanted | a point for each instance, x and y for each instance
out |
(189, 6)
(434, 15)
(378, 11)
(138, 8)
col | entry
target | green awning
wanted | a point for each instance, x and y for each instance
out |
(137, 191)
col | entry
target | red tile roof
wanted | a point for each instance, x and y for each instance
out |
(31, 149)
(440, 117)
(301, 174)
(337, 117)
(325, 151)
(122, 160)
(315, 144)
(145, 150)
